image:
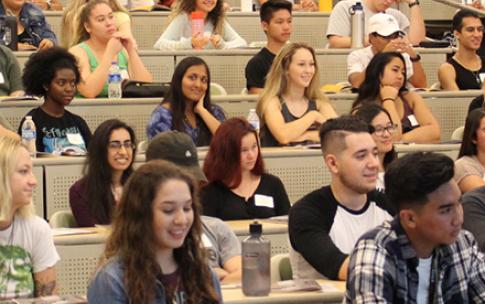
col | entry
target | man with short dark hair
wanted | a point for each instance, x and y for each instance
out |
(422, 256)
(276, 21)
(325, 224)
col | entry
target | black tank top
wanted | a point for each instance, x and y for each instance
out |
(466, 79)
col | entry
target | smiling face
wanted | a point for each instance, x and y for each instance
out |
(195, 82)
(471, 34)
(120, 150)
(279, 27)
(101, 22)
(382, 135)
(172, 214)
(301, 68)
(22, 181)
(249, 152)
(205, 6)
(62, 88)
(394, 73)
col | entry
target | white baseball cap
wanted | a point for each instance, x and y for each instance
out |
(383, 24)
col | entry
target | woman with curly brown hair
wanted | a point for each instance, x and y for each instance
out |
(154, 253)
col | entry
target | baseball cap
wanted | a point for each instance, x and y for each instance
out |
(178, 148)
(383, 24)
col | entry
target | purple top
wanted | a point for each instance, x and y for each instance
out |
(79, 205)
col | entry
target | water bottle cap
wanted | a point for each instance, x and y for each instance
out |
(358, 5)
(28, 117)
(252, 110)
(197, 15)
(114, 62)
(255, 228)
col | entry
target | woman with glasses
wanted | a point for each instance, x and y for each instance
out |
(385, 85)
(383, 130)
(107, 167)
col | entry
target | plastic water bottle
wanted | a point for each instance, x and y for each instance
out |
(197, 23)
(357, 12)
(114, 81)
(253, 119)
(29, 135)
(256, 252)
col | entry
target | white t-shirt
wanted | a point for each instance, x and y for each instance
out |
(424, 273)
(26, 247)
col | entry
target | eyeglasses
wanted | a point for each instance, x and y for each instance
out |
(116, 145)
(393, 36)
(379, 131)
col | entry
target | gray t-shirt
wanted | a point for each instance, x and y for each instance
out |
(10, 74)
(340, 23)
(220, 241)
(468, 165)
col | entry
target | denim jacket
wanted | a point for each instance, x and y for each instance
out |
(108, 286)
(33, 20)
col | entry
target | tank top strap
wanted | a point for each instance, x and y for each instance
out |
(93, 63)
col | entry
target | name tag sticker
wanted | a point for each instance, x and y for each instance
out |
(263, 201)
(205, 241)
(2, 80)
(75, 138)
(413, 120)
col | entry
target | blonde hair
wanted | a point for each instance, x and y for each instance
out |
(72, 29)
(216, 16)
(277, 79)
(8, 159)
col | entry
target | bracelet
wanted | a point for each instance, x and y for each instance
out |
(388, 98)
(415, 59)
(414, 3)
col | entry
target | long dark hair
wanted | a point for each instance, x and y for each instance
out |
(133, 240)
(469, 141)
(177, 100)
(370, 89)
(98, 172)
(367, 113)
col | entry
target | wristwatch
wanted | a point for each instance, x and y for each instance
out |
(414, 3)
(415, 59)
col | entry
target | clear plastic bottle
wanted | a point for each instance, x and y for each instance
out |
(256, 252)
(29, 135)
(357, 12)
(114, 81)
(253, 119)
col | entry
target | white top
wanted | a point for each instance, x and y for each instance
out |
(380, 185)
(424, 273)
(178, 35)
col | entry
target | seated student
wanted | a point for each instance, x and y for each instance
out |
(383, 129)
(422, 255)
(292, 106)
(238, 186)
(385, 85)
(187, 106)
(53, 74)
(98, 44)
(470, 165)
(218, 34)
(474, 214)
(325, 224)
(277, 24)
(107, 167)
(465, 70)
(222, 245)
(28, 252)
(10, 75)
(154, 253)
(70, 19)
(339, 29)
(385, 36)
(32, 29)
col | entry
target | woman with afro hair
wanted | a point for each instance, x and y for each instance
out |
(53, 75)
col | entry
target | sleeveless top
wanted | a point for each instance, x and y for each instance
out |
(406, 122)
(93, 64)
(268, 140)
(466, 79)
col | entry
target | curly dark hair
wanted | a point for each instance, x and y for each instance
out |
(42, 66)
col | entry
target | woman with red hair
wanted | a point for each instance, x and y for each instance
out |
(238, 187)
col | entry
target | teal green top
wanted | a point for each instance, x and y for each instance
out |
(93, 64)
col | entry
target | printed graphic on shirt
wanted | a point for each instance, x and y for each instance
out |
(63, 140)
(15, 273)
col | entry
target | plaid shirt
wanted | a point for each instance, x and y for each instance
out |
(383, 269)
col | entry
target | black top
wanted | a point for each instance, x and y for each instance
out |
(466, 79)
(269, 199)
(258, 67)
(69, 132)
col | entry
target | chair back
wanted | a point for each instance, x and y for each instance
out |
(62, 219)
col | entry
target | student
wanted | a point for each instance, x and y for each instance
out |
(10, 75)
(108, 165)
(71, 15)
(153, 254)
(325, 224)
(98, 44)
(277, 24)
(32, 29)
(223, 247)
(28, 252)
(238, 186)
(385, 36)
(292, 106)
(474, 214)
(382, 130)
(339, 29)
(422, 255)
(465, 70)
(218, 34)
(385, 85)
(53, 74)
(187, 106)
(470, 165)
